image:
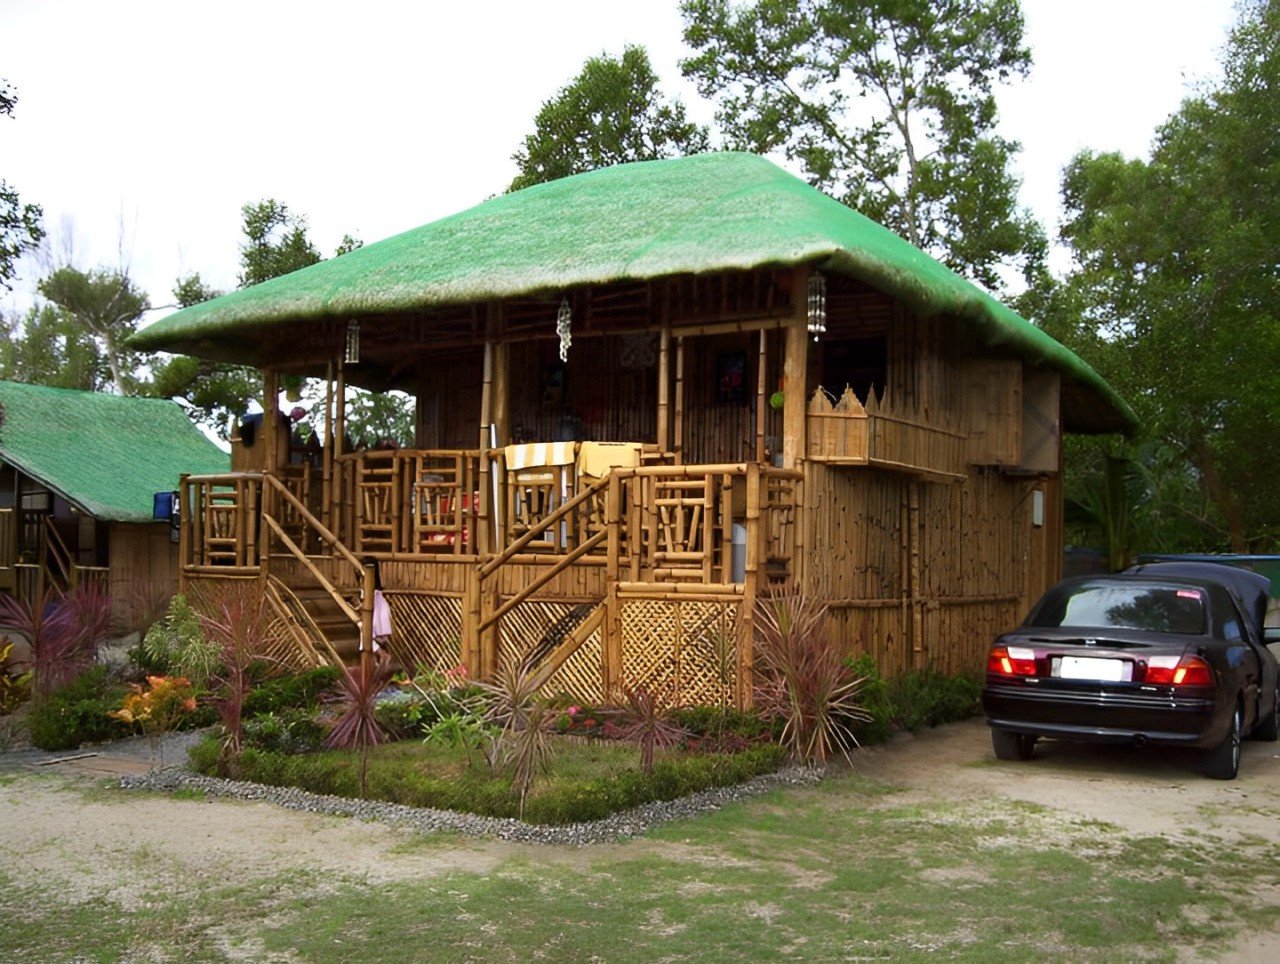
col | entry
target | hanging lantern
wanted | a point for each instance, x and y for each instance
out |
(353, 342)
(563, 319)
(817, 305)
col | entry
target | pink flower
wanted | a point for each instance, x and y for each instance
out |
(574, 710)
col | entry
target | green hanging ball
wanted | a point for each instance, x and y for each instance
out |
(776, 400)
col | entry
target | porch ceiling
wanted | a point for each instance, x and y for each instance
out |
(634, 222)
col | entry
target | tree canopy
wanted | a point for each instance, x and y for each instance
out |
(21, 226)
(611, 113)
(889, 105)
(1175, 291)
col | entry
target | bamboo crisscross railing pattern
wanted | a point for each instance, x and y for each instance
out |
(412, 500)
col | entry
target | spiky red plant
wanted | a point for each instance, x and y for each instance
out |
(645, 722)
(802, 678)
(236, 621)
(357, 727)
(64, 632)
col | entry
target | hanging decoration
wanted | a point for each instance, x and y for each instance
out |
(353, 342)
(563, 320)
(817, 305)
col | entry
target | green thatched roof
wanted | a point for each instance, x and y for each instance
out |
(706, 213)
(105, 454)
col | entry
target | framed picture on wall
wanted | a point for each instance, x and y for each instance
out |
(731, 377)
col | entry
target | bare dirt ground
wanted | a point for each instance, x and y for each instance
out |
(57, 826)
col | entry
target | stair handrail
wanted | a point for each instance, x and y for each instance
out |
(540, 527)
(564, 562)
(319, 527)
(61, 554)
(312, 568)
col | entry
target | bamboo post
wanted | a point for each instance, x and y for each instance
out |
(343, 493)
(664, 387)
(762, 386)
(484, 518)
(751, 590)
(795, 365)
(184, 530)
(367, 588)
(469, 641)
(917, 592)
(611, 632)
(326, 457)
(271, 417)
(678, 442)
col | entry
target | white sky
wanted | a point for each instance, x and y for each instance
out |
(143, 127)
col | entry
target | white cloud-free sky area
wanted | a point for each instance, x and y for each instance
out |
(142, 128)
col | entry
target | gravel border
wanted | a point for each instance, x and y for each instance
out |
(619, 826)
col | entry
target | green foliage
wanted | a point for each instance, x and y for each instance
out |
(1173, 297)
(875, 699)
(286, 731)
(398, 775)
(276, 242)
(611, 113)
(925, 698)
(291, 691)
(177, 644)
(14, 687)
(48, 347)
(703, 721)
(20, 224)
(107, 306)
(888, 105)
(78, 713)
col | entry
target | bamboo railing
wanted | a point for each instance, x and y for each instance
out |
(882, 434)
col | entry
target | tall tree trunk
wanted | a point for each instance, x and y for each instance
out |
(1219, 493)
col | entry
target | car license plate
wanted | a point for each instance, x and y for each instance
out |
(1095, 668)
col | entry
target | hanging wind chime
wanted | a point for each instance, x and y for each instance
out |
(817, 291)
(564, 319)
(353, 342)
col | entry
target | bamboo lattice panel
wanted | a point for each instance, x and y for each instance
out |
(533, 630)
(426, 630)
(683, 649)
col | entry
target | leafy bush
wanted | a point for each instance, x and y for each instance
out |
(177, 645)
(64, 632)
(14, 687)
(291, 691)
(923, 698)
(78, 713)
(289, 731)
(874, 694)
(713, 721)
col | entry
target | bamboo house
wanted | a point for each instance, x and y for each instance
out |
(78, 475)
(643, 395)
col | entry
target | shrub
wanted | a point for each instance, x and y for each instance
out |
(177, 644)
(923, 698)
(874, 696)
(291, 691)
(64, 632)
(14, 687)
(712, 721)
(78, 713)
(237, 626)
(289, 731)
(645, 722)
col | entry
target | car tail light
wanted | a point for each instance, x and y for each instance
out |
(1175, 671)
(1011, 661)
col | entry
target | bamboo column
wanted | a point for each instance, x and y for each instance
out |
(326, 484)
(664, 388)
(611, 631)
(762, 386)
(917, 590)
(678, 443)
(271, 418)
(751, 590)
(795, 366)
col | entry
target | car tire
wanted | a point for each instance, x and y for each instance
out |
(1223, 762)
(1268, 728)
(1012, 746)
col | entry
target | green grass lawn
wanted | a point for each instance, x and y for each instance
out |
(849, 869)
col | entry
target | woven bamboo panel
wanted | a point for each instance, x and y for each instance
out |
(294, 639)
(580, 676)
(683, 649)
(533, 629)
(426, 630)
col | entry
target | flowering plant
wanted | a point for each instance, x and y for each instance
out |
(159, 705)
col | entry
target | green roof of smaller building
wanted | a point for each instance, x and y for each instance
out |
(105, 454)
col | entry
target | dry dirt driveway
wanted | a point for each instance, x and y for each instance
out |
(85, 843)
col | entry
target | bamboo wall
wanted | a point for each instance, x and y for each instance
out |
(143, 563)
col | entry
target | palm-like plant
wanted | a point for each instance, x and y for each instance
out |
(237, 624)
(645, 722)
(357, 727)
(64, 632)
(803, 680)
(523, 721)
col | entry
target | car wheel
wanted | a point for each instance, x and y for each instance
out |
(1268, 727)
(1012, 746)
(1224, 759)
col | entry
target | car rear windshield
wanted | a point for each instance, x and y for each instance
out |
(1159, 609)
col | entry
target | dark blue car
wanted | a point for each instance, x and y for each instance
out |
(1166, 653)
